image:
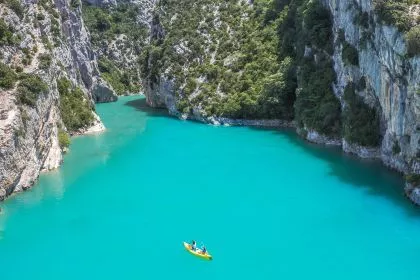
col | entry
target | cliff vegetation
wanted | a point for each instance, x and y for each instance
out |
(118, 37)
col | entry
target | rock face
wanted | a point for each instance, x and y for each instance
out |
(391, 84)
(55, 29)
(315, 137)
(413, 193)
(118, 51)
(102, 92)
(392, 81)
(161, 94)
(52, 42)
(102, 3)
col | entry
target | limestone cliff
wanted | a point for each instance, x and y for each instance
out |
(392, 80)
(384, 76)
(120, 31)
(334, 69)
(41, 42)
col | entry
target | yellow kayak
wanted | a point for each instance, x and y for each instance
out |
(198, 252)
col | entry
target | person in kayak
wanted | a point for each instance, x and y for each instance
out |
(193, 244)
(203, 250)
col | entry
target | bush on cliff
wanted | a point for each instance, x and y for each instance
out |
(349, 54)
(316, 106)
(75, 4)
(75, 110)
(30, 87)
(44, 61)
(360, 122)
(120, 81)
(117, 27)
(413, 179)
(396, 149)
(413, 41)
(7, 77)
(229, 70)
(243, 62)
(63, 139)
(318, 25)
(16, 6)
(396, 12)
(6, 33)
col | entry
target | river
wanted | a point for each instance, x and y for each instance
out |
(266, 204)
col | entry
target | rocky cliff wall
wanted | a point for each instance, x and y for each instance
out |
(392, 81)
(118, 44)
(392, 85)
(390, 78)
(49, 41)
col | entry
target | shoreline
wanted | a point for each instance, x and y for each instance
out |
(56, 158)
(308, 135)
(314, 137)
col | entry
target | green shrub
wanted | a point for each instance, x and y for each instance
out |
(55, 29)
(40, 16)
(44, 61)
(7, 77)
(120, 81)
(27, 60)
(54, 12)
(413, 179)
(362, 19)
(361, 123)
(241, 64)
(30, 87)
(75, 4)
(26, 51)
(318, 20)
(63, 139)
(16, 6)
(105, 24)
(278, 95)
(413, 41)
(250, 67)
(316, 106)
(6, 34)
(362, 83)
(341, 36)
(349, 54)
(24, 116)
(396, 149)
(46, 42)
(396, 12)
(75, 110)
(20, 132)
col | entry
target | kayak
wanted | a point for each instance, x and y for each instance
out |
(197, 252)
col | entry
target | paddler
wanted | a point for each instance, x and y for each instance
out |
(193, 245)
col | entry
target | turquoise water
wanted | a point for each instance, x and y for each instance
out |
(267, 205)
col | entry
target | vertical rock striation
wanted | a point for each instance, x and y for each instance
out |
(392, 84)
(50, 42)
(391, 80)
(118, 44)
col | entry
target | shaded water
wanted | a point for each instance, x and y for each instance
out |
(267, 205)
